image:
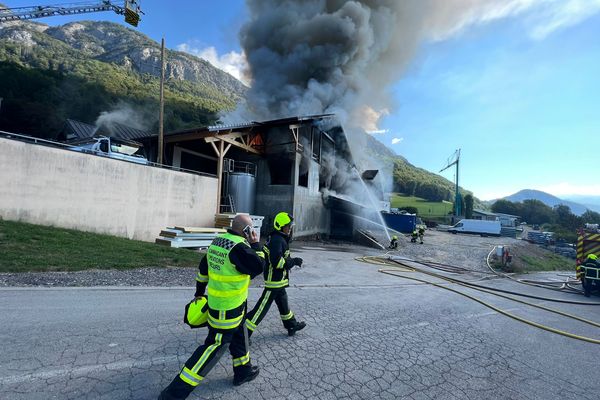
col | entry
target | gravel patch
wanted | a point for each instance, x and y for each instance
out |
(178, 276)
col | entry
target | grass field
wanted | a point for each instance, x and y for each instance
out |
(26, 247)
(426, 208)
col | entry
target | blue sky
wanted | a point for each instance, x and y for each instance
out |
(519, 95)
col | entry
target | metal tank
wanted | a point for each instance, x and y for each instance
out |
(242, 189)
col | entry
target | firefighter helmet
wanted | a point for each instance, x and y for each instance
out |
(196, 313)
(282, 219)
(592, 257)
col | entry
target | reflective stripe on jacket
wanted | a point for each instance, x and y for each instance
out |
(227, 288)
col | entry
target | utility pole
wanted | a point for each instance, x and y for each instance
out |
(455, 160)
(162, 104)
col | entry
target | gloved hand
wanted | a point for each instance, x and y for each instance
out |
(298, 261)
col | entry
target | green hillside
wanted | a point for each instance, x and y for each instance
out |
(82, 69)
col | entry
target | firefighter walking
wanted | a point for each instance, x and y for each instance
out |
(230, 263)
(276, 276)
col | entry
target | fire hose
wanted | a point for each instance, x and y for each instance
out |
(399, 267)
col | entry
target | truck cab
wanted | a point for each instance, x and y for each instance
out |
(126, 150)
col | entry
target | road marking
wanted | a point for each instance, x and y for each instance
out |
(85, 370)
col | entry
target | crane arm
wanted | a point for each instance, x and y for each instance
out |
(448, 166)
(130, 9)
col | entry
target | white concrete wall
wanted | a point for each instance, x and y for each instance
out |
(51, 186)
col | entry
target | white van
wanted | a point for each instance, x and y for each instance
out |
(477, 227)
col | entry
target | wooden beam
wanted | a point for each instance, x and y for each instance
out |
(224, 138)
(221, 154)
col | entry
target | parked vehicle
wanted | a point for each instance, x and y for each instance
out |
(120, 149)
(588, 243)
(477, 227)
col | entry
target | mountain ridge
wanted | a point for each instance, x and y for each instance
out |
(546, 198)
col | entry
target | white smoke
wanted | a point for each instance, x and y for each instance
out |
(124, 114)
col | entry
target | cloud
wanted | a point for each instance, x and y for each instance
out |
(542, 17)
(397, 140)
(233, 63)
(562, 14)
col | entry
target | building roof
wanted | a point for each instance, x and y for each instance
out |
(77, 130)
(493, 214)
(248, 125)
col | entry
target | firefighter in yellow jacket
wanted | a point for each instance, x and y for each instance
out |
(279, 262)
(231, 261)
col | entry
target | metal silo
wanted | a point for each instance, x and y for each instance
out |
(242, 189)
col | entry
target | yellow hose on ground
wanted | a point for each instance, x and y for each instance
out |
(379, 261)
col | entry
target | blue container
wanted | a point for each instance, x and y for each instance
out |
(405, 223)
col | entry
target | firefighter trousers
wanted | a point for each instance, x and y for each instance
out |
(279, 296)
(206, 356)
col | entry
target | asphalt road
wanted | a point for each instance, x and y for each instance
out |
(369, 336)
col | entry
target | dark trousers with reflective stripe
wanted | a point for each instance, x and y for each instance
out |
(279, 296)
(206, 356)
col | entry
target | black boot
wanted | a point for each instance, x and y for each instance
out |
(177, 390)
(165, 395)
(298, 326)
(247, 376)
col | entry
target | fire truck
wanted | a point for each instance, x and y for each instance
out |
(588, 243)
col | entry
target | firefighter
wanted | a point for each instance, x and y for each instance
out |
(414, 236)
(394, 243)
(279, 262)
(587, 280)
(231, 261)
(421, 233)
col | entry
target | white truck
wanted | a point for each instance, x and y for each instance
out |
(476, 227)
(120, 149)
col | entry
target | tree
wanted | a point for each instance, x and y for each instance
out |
(468, 202)
(536, 212)
(508, 207)
(565, 218)
(590, 217)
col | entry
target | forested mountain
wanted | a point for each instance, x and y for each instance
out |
(80, 69)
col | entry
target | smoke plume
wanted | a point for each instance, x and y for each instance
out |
(341, 56)
(124, 114)
(314, 56)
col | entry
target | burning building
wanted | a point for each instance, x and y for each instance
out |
(301, 165)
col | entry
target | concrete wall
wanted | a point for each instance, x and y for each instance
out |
(51, 186)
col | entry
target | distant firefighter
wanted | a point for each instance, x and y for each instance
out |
(421, 233)
(414, 236)
(394, 243)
